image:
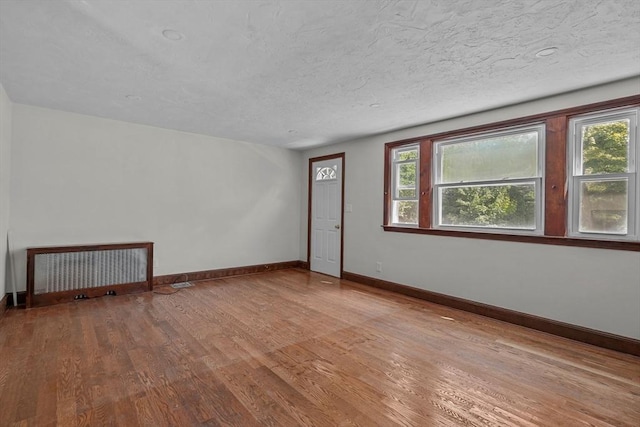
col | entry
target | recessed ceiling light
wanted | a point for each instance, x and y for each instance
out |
(547, 51)
(133, 97)
(374, 105)
(172, 35)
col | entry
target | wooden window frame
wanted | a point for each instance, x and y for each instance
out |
(555, 180)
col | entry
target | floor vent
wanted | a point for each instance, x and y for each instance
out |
(182, 285)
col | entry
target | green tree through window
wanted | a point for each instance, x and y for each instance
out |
(490, 181)
(570, 174)
(408, 210)
(605, 151)
(406, 186)
(496, 206)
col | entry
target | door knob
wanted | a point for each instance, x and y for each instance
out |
(337, 226)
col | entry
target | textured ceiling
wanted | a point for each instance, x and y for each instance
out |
(304, 73)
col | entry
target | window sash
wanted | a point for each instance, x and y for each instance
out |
(539, 128)
(404, 149)
(396, 187)
(395, 217)
(630, 205)
(537, 229)
(575, 136)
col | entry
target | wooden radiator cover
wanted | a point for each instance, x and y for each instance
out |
(58, 274)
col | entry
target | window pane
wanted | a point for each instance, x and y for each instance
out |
(406, 175)
(603, 206)
(406, 154)
(326, 173)
(497, 206)
(405, 212)
(507, 156)
(605, 147)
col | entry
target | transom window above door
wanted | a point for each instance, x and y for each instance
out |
(326, 173)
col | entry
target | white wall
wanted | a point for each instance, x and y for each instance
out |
(594, 288)
(5, 168)
(206, 202)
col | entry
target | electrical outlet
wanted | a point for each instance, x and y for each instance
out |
(379, 266)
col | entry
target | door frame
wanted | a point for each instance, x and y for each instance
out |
(312, 160)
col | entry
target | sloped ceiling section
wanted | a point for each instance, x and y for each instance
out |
(305, 73)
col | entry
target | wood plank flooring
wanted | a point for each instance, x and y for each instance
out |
(294, 348)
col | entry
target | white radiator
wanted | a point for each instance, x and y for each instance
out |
(81, 270)
(61, 273)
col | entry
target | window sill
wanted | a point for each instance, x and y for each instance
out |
(546, 240)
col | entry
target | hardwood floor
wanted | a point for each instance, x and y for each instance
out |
(288, 348)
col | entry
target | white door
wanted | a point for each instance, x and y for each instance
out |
(326, 216)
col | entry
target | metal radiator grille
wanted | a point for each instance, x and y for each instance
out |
(66, 271)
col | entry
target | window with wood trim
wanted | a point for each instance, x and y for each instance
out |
(567, 177)
(603, 189)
